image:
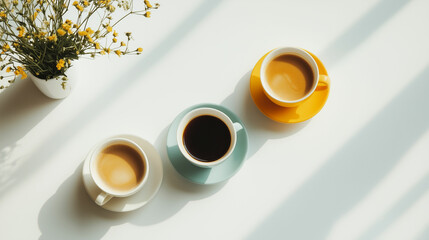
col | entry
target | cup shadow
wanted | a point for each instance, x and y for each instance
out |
(175, 191)
(22, 107)
(259, 126)
(71, 214)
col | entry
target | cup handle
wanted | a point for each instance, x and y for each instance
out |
(324, 82)
(103, 198)
(237, 126)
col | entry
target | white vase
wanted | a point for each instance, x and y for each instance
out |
(53, 88)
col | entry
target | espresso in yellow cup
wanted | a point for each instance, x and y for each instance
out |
(289, 75)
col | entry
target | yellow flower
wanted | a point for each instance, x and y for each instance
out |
(85, 3)
(53, 38)
(35, 16)
(109, 28)
(82, 33)
(79, 7)
(107, 50)
(114, 40)
(147, 14)
(147, 3)
(65, 26)
(61, 32)
(102, 52)
(8, 69)
(97, 45)
(21, 30)
(89, 39)
(115, 34)
(123, 44)
(105, 2)
(69, 22)
(140, 49)
(75, 26)
(6, 47)
(20, 71)
(2, 14)
(23, 75)
(118, 52)
(75, 3)
(89, 31)
(60, 64)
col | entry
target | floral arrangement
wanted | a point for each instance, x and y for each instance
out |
(36, 35)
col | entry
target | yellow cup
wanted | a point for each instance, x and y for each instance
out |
(319, 81)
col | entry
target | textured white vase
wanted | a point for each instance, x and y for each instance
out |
(53, 88)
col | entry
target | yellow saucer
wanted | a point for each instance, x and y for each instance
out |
(306, 110)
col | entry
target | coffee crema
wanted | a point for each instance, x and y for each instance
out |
(120, 167)
(207, 138)
(289, 77)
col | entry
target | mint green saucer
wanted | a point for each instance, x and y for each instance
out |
(215, 174)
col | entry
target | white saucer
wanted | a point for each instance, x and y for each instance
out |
(142, 197)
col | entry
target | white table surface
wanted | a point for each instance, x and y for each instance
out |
(357, 170)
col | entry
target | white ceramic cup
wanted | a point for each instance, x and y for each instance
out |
(108, 192)
(233, 128)
(318, 79)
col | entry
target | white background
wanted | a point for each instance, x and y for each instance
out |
(357, 170)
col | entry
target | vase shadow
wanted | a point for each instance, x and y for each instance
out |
(22, 107)
(260, 128)
(108, 96)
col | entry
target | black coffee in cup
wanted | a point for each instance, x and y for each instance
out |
(207, 138)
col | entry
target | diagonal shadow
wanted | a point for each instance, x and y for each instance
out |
(116, 89)
(361, 30)
(63, 217)
(241, 102)
(22, 107)
(417, 191)
(352, 172)
(424, 235)
(70, 213)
